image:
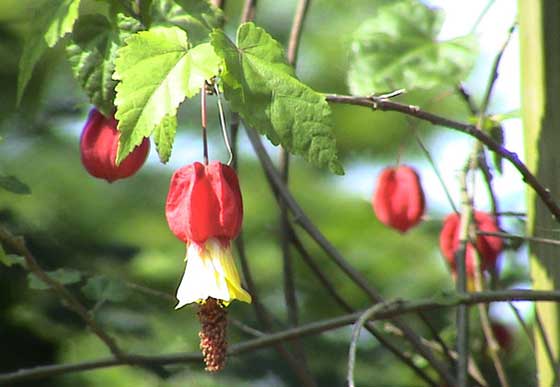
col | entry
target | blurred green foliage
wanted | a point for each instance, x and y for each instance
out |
(116, 237)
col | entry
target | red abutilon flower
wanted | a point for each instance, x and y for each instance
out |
(204, 209)
(489, 247)
(399, 200)
(99, 145)
(502, 335)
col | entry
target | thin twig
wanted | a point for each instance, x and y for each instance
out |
(545, 340)
(436, 171)
(493, 346)
(284, 165)
(461, 285)
(151, 292)
(488, 177)
(414, 111)
(387, 310)
(263, 316)
(223, 125)
(506, 235)
(331, 289)
(203, 123)
(466, 96)
(261, 313)
(248, 10)
(525, 327)
(442, 345)
(171, 298)
(474, 371)
(295, 32)
(354, 342)
(494, 71)
(17, 245)
(481, 16)
(478, 161)
(246, 328)
(276, 181)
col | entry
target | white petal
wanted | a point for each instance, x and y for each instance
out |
(210, 272)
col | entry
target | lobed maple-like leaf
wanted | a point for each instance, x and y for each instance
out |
(261, 86)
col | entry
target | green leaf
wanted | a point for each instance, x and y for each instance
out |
(11, 259)
(398, 48)
(516, 113)
(52, 20)
(164, 135)
(157, 71)
(92, 54)
(261, 86)
(102, 288)
(197, 17)
(14, 185)
(64, 276)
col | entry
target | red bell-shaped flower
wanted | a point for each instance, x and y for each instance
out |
(99, 145)
(488, 246)
(204, 201)
(204, 209)
(399, 200)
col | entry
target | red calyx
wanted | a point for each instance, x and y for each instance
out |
(488, 246)
(99, 145)
(399, 200)
(204, 201)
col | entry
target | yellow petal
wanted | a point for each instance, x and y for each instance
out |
(210, 272)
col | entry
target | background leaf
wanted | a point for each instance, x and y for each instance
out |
(196, 17)
(260, 85)
(10, 259)
(52, 20)
(398, 48)
(164, 135)
(14, 185)
(64, 276)
(103, 288)
(92, 53)
(175, 72)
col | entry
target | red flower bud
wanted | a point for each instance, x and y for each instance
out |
(99, 144)
(488, 246)
(204, 201)
(399, 200)
(502, 334)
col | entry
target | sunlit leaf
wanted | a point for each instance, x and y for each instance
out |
(196, 17)
(157, 70)
(398, 48)
(52, 19)
(92, 53)
(164, 135)
(261, 86)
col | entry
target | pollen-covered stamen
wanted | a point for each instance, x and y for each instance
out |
(213, 330)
